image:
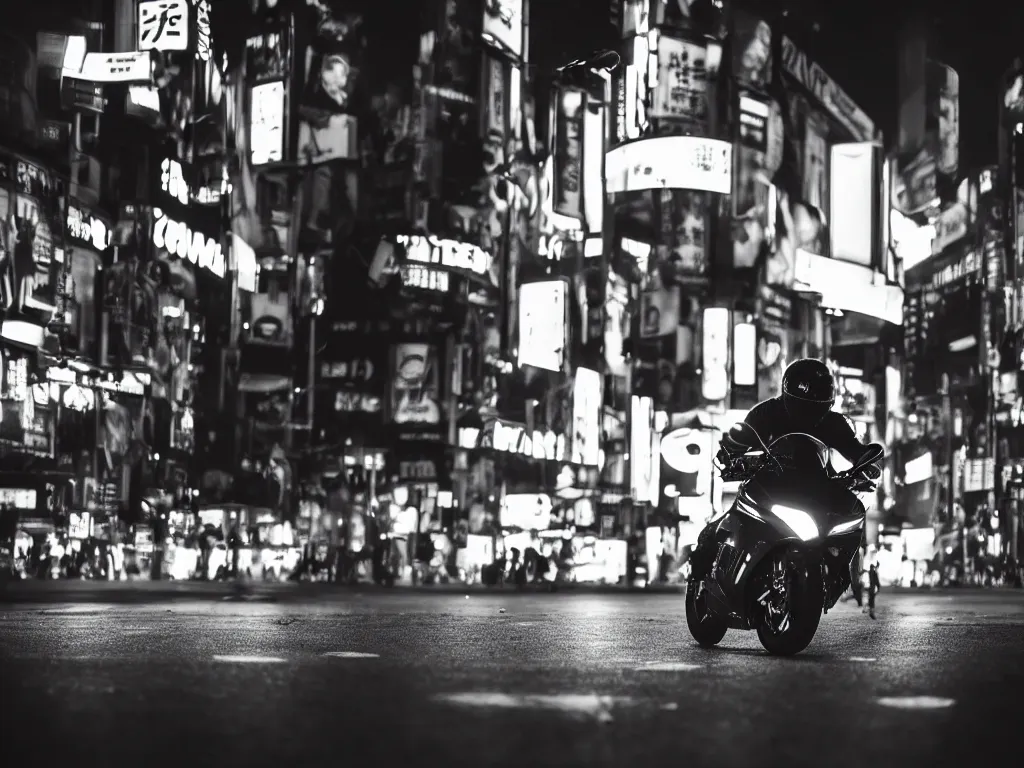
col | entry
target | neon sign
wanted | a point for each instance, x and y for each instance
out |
(445, 253)
(179, 239)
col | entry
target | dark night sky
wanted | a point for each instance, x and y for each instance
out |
(856, 44)
(978, 38)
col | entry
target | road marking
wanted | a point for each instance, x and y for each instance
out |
(233, 659)
(352, 655)
(668, 666)
(73, 609)
(585, 705)
(865, 659)
(669, 707)
(916, 702)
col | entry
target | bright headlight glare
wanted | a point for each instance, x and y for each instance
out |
(799, 521)
(845, 527)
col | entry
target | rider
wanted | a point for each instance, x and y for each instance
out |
(805, 405)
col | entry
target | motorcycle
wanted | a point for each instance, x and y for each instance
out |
(781, 560)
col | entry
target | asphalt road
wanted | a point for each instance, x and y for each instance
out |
(372, 678)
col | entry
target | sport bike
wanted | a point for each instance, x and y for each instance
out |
(781, 556)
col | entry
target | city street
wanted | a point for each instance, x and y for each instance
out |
(294, 677)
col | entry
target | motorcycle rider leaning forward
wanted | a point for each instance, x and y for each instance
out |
(805, 405)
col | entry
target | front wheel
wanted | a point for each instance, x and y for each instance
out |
(792, 607)
(706, 628)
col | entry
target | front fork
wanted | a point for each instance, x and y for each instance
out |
(774, 597)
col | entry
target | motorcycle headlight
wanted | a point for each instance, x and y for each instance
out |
(799, 521)
(845, 527)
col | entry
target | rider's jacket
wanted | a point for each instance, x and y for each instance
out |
(771, 420)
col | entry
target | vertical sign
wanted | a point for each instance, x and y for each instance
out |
(681, 93)
(163, 25)
(714, 385)
(568, 156)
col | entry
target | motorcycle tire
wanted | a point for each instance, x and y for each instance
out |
(804, 616)
(706, 628)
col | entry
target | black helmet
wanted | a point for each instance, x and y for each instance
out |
(808, 392)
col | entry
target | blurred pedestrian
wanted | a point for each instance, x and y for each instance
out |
(874, 585)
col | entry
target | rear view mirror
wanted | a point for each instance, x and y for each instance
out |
(873, 453)
(744, 434)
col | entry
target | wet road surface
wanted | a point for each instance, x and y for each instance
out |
(374, 677)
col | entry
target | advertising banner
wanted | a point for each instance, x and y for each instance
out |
(698, 164)
(327, 123)
(641, 443)
(415, 396)
(1012, 97)
(758, 156)
(854, 203)
(570, 115)
(681, 93)
(715, 377)
(687, 467)
(267, 123)
(352, 378)
(951, 226)
(542, 309)
(130, 302)
(131, 67)
(752, 50)
(682, 254)
(943, 115)
(586, 418)
(659, 312)
(772, 349)
(503, 25)
(815, 168)
(826, 92)
(38, 252)
(270, 319)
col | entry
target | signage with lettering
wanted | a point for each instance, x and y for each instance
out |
(172, 181)
(179, 239)
(509, 437)
(163, 25)
(825, 90)
(350, 401)
(425, 278)
(450, 254)
(424, 469)
(19, 498)
(358, 369)
(697, 163)
(949, 227)
(131, 67)
(967, 265)
(86, 228)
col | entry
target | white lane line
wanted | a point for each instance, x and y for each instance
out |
(581, 705)
(916, 702)
(863, 659)
(668, 666)
(238, 659)
(352, 655)
(670, 706)
(76, 609)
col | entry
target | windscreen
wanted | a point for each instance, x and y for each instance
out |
(799, 451)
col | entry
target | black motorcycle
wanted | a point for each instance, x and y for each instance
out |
(781, 557)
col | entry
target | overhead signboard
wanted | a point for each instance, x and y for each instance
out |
(131, 67)
(671, 162)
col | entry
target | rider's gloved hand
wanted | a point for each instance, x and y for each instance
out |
(724, 456)
(872, 472)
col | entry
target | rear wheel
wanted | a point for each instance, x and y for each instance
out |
(706, 628)
(790, 599)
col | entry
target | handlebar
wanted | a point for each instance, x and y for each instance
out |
(743, 468)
